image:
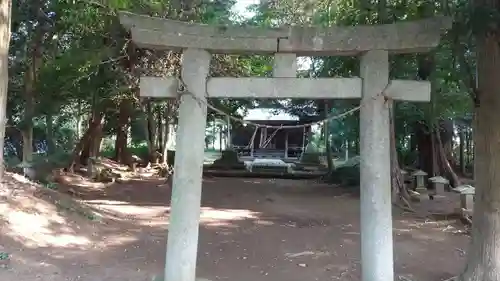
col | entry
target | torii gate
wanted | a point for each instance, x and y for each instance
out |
(372, 43)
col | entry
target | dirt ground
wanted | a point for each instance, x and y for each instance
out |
(252, 229)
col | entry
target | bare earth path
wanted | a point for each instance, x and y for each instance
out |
(252, 229)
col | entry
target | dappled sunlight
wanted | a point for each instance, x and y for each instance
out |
(427, 230)
(163, 222)
(428, 236)
(225, 217)
(115, 240)
(79, 181)
(20, 178)
(35, 230)
(35, 222)
(126, 208)
(248, 223)
(438, 226)
(38, 264)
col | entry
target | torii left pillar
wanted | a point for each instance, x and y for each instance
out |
(185, 210)
(375, 170)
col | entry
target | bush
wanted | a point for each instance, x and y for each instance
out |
(228, 161)
(347, 174)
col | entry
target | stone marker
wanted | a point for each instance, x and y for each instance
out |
(419, 181)
(439, 184)
(467, 194)
(372, 43)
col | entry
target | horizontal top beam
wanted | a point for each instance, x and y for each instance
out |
(284, 88)
(131, 20)
(402, 37)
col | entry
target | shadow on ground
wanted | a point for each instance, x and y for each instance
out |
(252, 229)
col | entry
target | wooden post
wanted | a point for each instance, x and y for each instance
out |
(346, 153)
(286, 144)
(303, 139)
(229, 144)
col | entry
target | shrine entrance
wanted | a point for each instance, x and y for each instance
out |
(274, 142)
(372, 44)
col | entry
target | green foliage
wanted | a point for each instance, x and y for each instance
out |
(4, 256)
(228, 161)
(88, 64)
(347, 173)
(140, 150)
(51, 185)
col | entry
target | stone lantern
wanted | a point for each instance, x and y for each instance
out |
(439, 184)
(467, 193)
(28, 170)
(419, 181)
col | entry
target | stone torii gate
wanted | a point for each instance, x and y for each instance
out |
(372, 43)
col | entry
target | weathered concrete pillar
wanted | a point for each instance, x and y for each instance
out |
(182, 244)
(285, 65)
(376, 209)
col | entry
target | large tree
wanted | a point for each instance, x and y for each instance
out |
(5, 19)
(483, 262)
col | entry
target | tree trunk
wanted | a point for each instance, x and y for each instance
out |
(411, 161)
(78, 129)
(399, 191)
(446, 168)
(425, 149)
(160, 125)
(328, 147)
(91, 146)
(29, 108)
(462, 150)
(82, 149)
(483, 260)
(220, 138)
(150, 132)
(35, 53)
(95, 145)
(468, 145)
(121, 151)
(435, 168)
(5, 19)
(168, 112)
(50, 133)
